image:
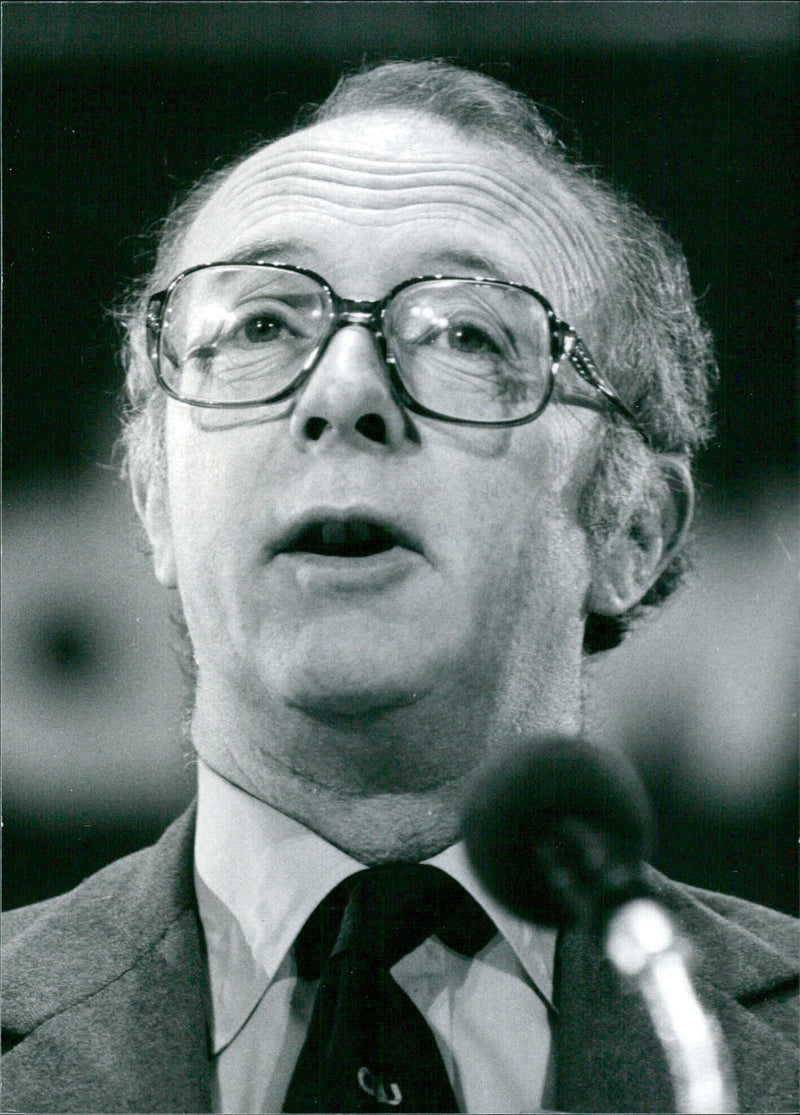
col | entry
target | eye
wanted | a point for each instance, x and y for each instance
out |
(434, 330)
(265, 327)
(469, 339)
(230, 342)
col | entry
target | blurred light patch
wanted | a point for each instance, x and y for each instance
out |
(91, 691)
(706, 695)
(356, 27)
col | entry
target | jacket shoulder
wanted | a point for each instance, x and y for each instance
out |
(104, 991)
(742, 946)
(775, 928)
(62, 950)
(743, 959)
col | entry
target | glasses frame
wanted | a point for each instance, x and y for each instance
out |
(371, 315)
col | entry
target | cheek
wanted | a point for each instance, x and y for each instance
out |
(194, 486)
(209, 489)
(528, 553)
(218, 465)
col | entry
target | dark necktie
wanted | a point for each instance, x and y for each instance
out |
(368, 1048)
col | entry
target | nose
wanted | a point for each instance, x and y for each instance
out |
(349, 397)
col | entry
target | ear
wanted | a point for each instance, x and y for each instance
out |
(151, 503)
(633, 558)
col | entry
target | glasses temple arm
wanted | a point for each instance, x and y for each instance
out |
(583, 362)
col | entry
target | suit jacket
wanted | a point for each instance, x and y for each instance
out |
(104, 999)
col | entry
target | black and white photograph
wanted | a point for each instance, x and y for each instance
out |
(402, 717)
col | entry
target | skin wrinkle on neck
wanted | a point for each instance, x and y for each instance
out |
(376, 826)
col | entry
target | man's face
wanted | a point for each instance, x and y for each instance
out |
(478, 604)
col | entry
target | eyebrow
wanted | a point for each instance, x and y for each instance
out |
(465, 260)
(269, 251)
(274, 251)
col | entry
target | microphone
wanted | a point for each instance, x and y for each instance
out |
(558, 830)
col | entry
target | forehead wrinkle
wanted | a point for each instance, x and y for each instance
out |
(389, 175)
(467, 260)
(318, 175)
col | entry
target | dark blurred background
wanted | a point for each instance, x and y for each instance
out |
(109, 109)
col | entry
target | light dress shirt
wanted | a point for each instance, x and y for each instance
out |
(259, 876)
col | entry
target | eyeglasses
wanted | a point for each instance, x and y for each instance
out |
(477, 352)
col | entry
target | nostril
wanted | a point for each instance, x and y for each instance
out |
(370, 426)
(373, 427)
(315, 428)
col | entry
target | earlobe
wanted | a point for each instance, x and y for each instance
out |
(633, 558)
(150, 501)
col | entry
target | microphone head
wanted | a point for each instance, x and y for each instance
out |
(557, 830)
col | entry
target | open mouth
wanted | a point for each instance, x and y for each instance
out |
(352, 538)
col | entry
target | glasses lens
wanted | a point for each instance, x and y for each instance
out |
(471, 350)
(240, 333)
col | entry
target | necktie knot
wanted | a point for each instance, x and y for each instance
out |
(385, 912)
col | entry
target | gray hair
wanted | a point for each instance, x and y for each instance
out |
(650, 340)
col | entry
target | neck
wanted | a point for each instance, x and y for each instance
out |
(380, 828)
(383, 785)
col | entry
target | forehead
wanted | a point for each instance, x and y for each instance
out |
(372, 199)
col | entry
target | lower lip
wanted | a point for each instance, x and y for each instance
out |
(373, 573)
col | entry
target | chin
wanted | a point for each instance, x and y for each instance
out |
(350, 698)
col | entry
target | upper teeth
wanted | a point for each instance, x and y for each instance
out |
(353, 533)
(355, 536)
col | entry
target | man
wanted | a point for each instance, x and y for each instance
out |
(413, 405)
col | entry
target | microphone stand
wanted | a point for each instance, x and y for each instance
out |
(644, 948)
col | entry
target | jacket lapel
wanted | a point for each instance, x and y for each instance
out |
(606, 1053)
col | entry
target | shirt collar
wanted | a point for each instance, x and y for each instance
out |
(533, 945)
(259, 875)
